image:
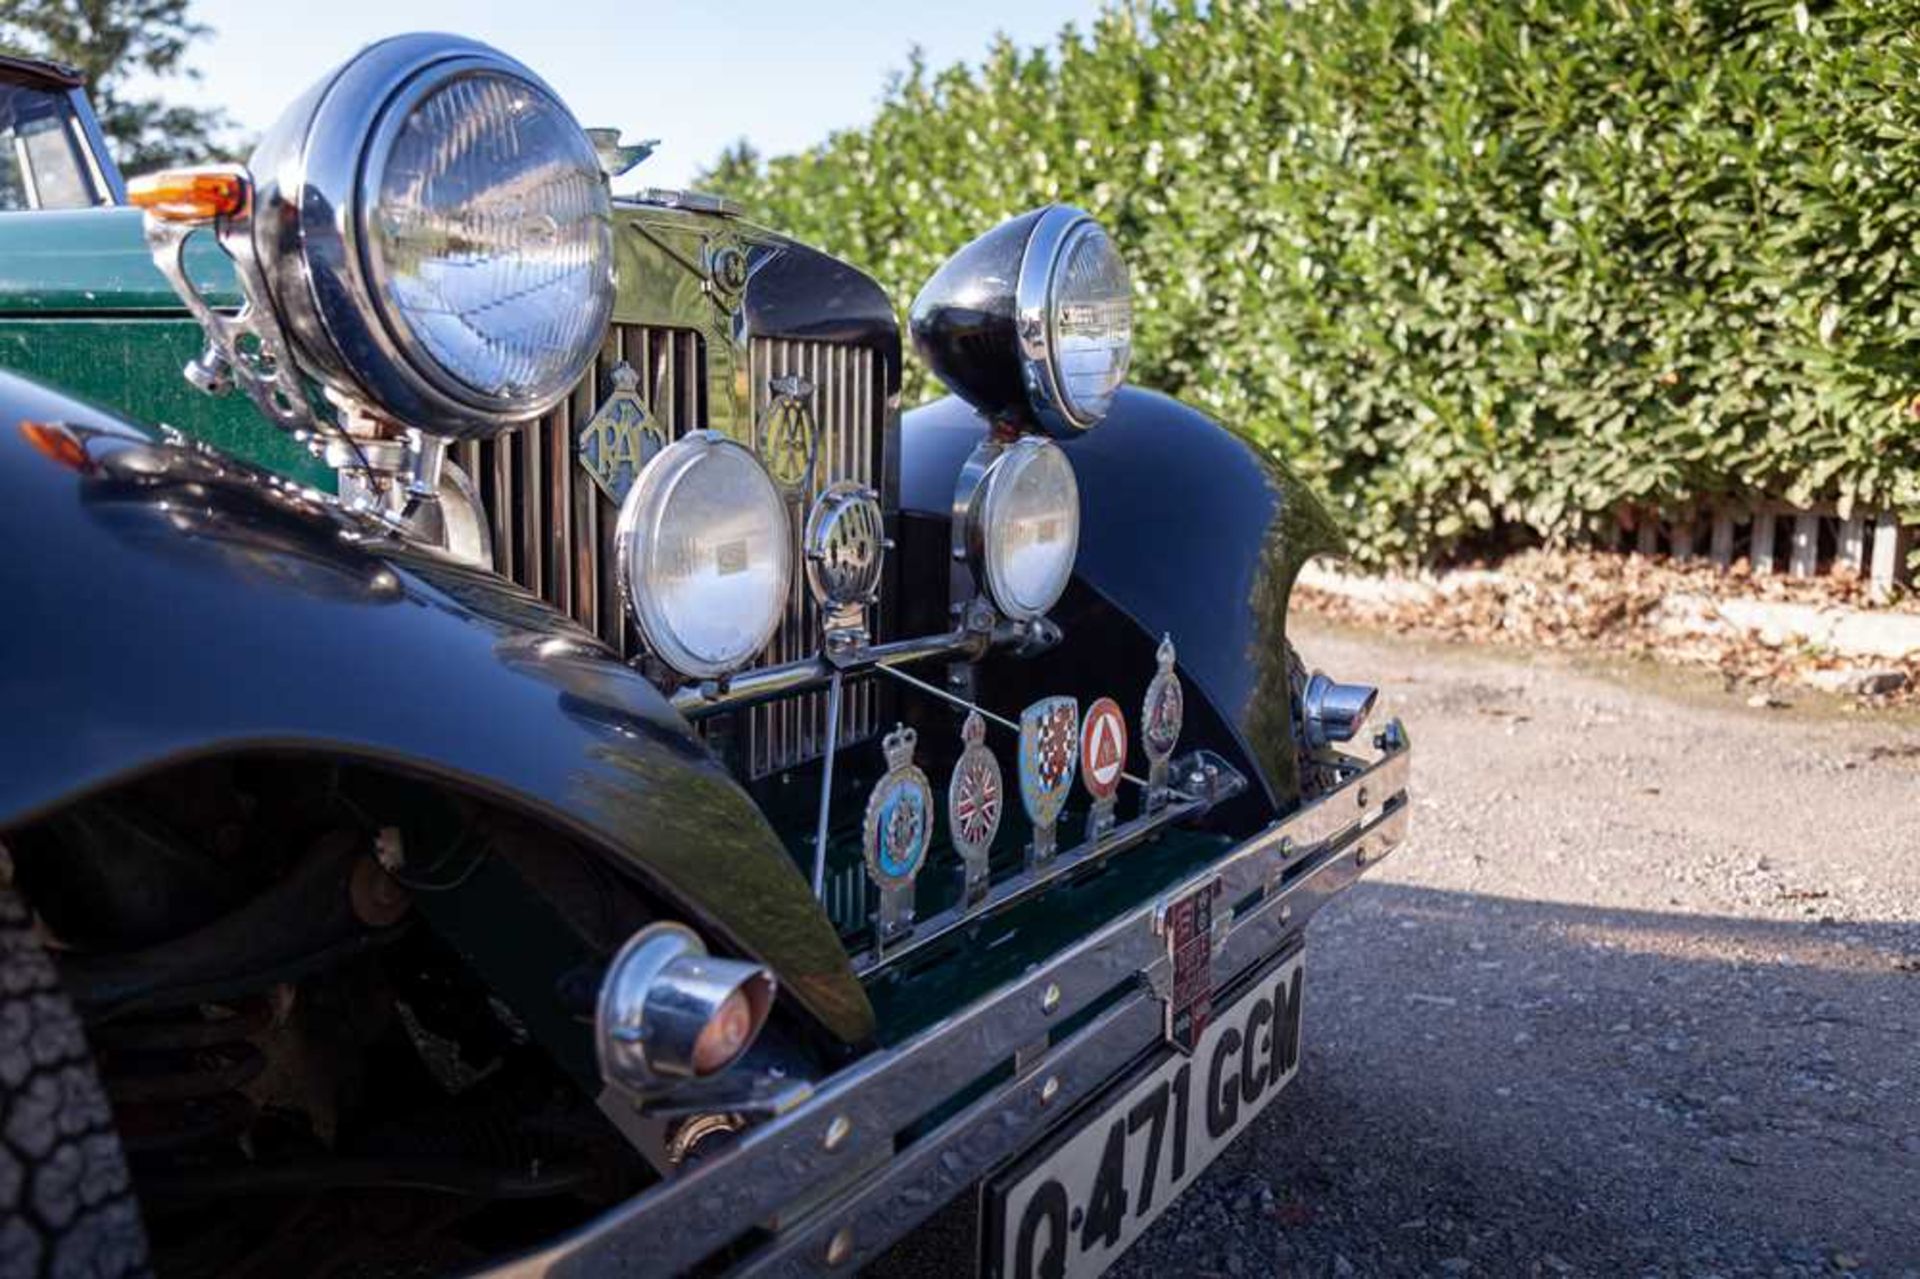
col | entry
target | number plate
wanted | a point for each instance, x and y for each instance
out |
(1074, 1208)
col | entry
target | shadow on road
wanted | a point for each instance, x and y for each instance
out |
(1502, 1086)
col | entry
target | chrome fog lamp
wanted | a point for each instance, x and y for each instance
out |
(436, 235)
(1024, 527)
(1032, 322)
(668, 1011)
(1334, 712)
(705, 550)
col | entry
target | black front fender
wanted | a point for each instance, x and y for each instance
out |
(166, 602)
(1187, 529)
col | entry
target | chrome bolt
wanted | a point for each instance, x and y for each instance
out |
(388, 849)
(838, 1130)
(840, 1247)
(1049, 1090)
(1050, 998)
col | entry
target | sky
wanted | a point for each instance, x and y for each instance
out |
(781, 73)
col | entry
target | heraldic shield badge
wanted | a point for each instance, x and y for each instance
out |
(1049, 753)
(620, 438)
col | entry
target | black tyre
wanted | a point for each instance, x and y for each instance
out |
(66, 1202)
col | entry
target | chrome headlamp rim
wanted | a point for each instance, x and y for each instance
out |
(313, 198)
(996, 480)
(1059, 229)
(640, 514)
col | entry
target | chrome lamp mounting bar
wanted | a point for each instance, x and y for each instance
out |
(750, 688)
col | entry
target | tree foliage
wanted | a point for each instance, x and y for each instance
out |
(111, 42)
(1475, 266)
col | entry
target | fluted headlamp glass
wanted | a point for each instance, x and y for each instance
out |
(1092, 322)
(489, 238)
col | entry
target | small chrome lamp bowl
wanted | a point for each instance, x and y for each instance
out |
(669, 1012)
(705, 554)
(1334, 712)
(1023, 532)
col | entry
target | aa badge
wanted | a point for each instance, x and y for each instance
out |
(620, 438)
(1049, 748)
(1160, 719)
(788, 435)
(898, 829)
(1103, 758)
(974, 800)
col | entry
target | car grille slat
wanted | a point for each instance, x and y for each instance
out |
(553, 529)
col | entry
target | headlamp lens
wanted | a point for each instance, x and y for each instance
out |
(1031, 527)
(1092, 322)
(491, 240)
(706, 555)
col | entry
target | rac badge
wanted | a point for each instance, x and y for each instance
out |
(974, 800)
(1049, 749)
(898, 830)
(788, 437)
(620, 438)
(1103, 758)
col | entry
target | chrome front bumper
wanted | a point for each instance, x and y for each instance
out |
(830, 1180)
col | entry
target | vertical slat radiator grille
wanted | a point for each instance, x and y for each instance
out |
(553, 528)
(786, 732)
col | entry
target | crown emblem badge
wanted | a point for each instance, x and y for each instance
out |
(896, 835)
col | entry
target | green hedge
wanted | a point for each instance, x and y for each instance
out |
(1473, 267)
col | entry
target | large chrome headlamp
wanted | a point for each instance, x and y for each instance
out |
(436, 235)
(706, 555)
(1032, 322)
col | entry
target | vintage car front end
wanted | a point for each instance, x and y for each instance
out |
(950, 800)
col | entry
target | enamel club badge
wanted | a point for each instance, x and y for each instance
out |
(621, 437)
(1103, 758)
(975, 797)
(898, 829)
(1049, 749)
(1160, 719)
(789, 436)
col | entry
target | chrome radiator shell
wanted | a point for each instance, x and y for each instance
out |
(553, 527)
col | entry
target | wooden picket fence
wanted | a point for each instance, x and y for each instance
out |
(1775, 538)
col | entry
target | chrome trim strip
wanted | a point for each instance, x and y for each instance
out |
(752, 687)
(845, 1135)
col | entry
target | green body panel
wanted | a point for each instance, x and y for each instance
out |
(132, 364)
(89, 261)
(83, 308)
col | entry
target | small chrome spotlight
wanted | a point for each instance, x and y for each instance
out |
(670, 1012)
(1333, 712)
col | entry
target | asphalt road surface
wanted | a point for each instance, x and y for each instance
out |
(1641, 996)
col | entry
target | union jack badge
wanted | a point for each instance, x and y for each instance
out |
(898, 830)
(1049, 751)
(621, 437)
(975, 797)
(1160, 719)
